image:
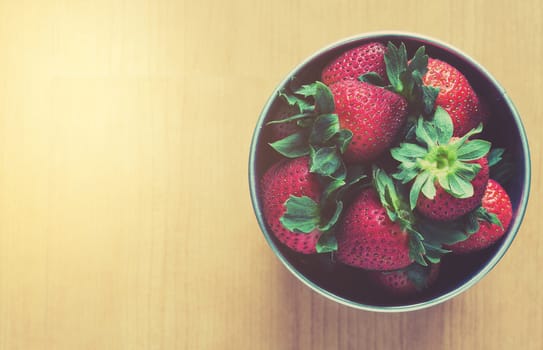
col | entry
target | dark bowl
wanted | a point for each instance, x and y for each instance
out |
(348, 285)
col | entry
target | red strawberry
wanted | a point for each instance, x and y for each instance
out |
(456, 96)
(368, 239)
(408, 281)
(447, 174)
(289, 177)
(374, 115)
(495, 201)
(353, 63)
(445, 207)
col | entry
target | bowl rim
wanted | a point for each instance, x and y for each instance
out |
(515, 224)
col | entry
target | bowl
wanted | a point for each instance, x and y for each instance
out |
(346, 285)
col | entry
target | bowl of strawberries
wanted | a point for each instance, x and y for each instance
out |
(389, 172)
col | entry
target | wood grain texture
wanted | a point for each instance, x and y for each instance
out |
(125, 219)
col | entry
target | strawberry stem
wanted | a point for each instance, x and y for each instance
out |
(437, 157)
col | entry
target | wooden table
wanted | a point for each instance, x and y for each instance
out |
(125, 219)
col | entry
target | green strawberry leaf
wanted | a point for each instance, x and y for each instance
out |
(435, 157)
(429, 95)
(324, 100)
(484, 215)
(341, 172)
(442, 123)
(406, 78)
(409, 85)
(325, 161)
(308, 90)
(334, 218)
(438, 234)
(392, 199)
(408, 152)
(418, 184)
(432, 130)
(467, 171)
(355, 173)
(443, 181)
(425, 133)
(390, 203)
(372, 78)
(473, 149)
(459, 142)
(407, 172)
(417, 251)
(472, 224)
(434, 255)
(409, 130)
(342, 139)
(495, 156)
(459, 187)
(332, 197)
(396, 64)
(326, 243)
(292, 146)
(302, 214)
(398, 211)
(418, 275)
(459, 230)
(429, 188)
(436, 248)
(419, 63)
(324, 128)
(302, 105)
(387, 192)
(332, 187)
(295, 117)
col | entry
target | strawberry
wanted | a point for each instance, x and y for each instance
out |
(369, 239)
(304, 221)
(445, 207)
(376, 231)
(456, 96)
(495, 201)
(356, 62)
(407, 281)
(451, 173)
(289, 177)
(374, 116)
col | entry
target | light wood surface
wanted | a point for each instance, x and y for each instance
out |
(125, 219)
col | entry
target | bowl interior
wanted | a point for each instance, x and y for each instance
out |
(348, 285)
